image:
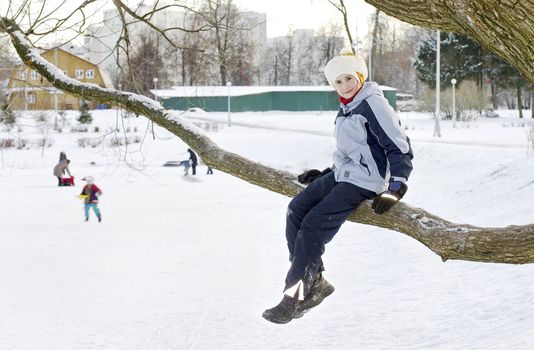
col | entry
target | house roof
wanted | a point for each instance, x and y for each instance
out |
(104, 74)
(210, 91)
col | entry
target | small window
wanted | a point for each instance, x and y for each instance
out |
(65, 72)
(30, 98)
(90, 74)
(79, 73)
(22, 75)
(35, 75)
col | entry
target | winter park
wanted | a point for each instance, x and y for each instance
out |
(418, 203)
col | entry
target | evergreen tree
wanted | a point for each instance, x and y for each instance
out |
(85, 116)
(461, 58)
(7, 116)
(505, 76)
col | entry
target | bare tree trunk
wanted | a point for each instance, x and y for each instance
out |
(372, 54)
(343, 9)
(519, 101)
(289, 57)
(494, 95)
(512, 244)
(505, 27)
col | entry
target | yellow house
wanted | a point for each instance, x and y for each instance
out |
(27, 89)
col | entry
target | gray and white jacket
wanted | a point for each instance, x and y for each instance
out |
(371, 145)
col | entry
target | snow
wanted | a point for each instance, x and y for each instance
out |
(191, 262)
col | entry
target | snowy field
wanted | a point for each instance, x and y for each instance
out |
(191, 262)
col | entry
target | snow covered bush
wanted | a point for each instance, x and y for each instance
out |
(121, 141)
(469, 101)
(45, 142)
(21, 143)
(207, 126)
(7, 143)
(89, 142)
(79, 128)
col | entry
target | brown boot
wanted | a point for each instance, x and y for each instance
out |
(283, 312)
(319, 290)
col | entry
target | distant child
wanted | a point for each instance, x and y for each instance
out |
(90, 194)
(187, 165)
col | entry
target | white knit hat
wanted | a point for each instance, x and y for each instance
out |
(89, 179)
(345, 63)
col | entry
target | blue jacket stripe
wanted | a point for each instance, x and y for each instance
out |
(390, 136)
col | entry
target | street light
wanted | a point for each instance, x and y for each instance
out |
(156, 96)
(155, 80)
(453, 82)
(437, 127)
(117, 111)
(229, 84)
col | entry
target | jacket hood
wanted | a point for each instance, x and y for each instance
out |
(369, 89)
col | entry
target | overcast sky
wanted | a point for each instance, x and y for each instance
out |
(302, 14)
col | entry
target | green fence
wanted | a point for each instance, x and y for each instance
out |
(268, 101)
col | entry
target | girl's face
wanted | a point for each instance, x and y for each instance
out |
(347, 85)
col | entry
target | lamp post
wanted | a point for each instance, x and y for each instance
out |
(437, 127)
(229, 84)
(117, 111)
(453, 82)
(156, 97)
(119, 106)
(155, 80)
(25, 98)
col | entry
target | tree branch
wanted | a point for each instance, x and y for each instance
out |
(512, 244)
(505, 27)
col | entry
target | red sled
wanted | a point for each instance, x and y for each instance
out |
(67, 181)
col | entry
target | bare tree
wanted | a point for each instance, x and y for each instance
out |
(7, 65)
(271, 60)
(232, 50)
(340, 6)
(513, 244)
(289, 61)
(373, 43)
(393, 46)
(329, 44)
(145, 64)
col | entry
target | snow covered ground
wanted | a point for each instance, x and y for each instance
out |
(191, 262)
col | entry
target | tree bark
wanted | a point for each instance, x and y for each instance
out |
(512, 244)
(505, 27)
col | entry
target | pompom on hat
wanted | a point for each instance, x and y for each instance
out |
(345, 63)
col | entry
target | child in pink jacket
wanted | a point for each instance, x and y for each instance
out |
(90, 193)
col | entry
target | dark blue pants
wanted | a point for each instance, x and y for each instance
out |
(314, 216)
